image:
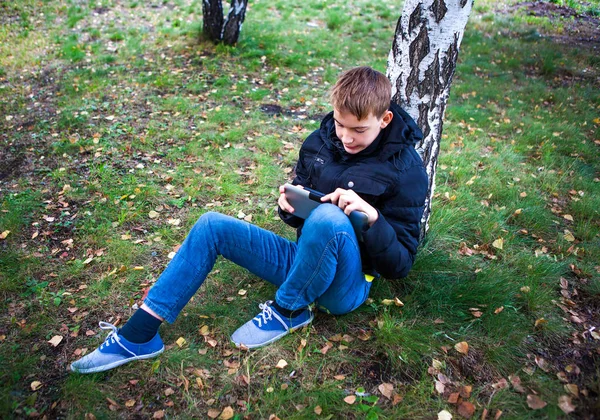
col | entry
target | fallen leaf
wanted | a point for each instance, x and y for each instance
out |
(516, 383)
(174, 222)
(153, 214)
(318, 410)
(88, 260)
(386, 390)
(180, 342)
(501, 384)
(159, 414)
(498, 243)
(35, 385)
(398, 302)
(4, 234)
(55, 341)
(387, 302)
(397, 399)
(350, 399)
(169, 391)
(572, 389)
(542, 364)
(340, 377)
(462, 347)
(444, 415)
(525, 289)
(440, 387)
(568, 217)
(129, 403)
(534, 402)
(465, 391)
(326, 348)
(242, 292)
(466, 409)
(569, 237)
(213, 413)
(227, 413)
(281, 364)
(302, 344)
(453, 398)
(540, 322)
(498, 310)
(565, 404)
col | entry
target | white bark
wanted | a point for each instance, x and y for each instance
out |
(421, 65)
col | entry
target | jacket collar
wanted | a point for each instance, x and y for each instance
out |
(402, 132)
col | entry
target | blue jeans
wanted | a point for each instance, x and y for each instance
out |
(324, 266)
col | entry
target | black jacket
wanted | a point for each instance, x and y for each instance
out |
(389, 175)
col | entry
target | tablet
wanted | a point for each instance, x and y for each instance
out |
(304, 200)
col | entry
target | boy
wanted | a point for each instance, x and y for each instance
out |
(363, 157)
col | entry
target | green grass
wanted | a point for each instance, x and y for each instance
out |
(118, 109)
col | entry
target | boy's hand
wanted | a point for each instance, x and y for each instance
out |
(282, 201)
(349, 201)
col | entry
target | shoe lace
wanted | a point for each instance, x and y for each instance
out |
(112, 337)
(268, 314)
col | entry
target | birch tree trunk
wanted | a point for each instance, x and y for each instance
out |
(421, 65)
(220, 29)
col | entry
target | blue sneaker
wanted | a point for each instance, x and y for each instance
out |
(116, 351)
(268, 326)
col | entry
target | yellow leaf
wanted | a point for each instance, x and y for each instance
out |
(35, 385)
(55, 341)
(350, 399)
(540, 322)
(568, 217)
(498, 243)
(281, 364)
(4, 234)
(138, 268)
(204, 330)
(387, 302)
(462, 347)
(180, 341)
(227, 413)
(569, 236)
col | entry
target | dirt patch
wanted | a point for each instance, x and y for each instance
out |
(579, 29)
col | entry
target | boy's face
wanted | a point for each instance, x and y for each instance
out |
(358, 135)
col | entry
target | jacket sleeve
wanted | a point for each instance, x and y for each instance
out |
(392, 241)
(301, 178)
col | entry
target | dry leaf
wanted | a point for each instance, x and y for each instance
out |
(340, 377)
(397, 399)
(501, 384)
(565, 404)
(4, 234)
(572, 389)
(398, 302)
(444, 415)
(302, 344)
(129, 403)
(465, 391)
(569, 237)
(55, 341)
(213, 413)
(281, 364)
(568, 217)
(498, 310)
(180, 341)
(350, 399)
(453, 398)
(516, 383)
(462, 347)
(35, 385)
(242, 292)
(534, 402)
(227, 413)
(540, 322)
(466, 409)
(326, 348)
(318, 410)
(498, 243)
(440, 387)
(159, 414)
(541, 362)
(386, 390)
(387, 302)
(169, 391)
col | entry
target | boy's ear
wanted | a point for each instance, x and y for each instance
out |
(387, 118)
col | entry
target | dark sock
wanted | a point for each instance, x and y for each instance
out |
(286, 312)
(140, 328)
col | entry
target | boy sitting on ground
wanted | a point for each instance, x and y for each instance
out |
(363, 157)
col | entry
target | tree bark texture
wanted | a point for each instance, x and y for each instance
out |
(421, 65)
(220, 29)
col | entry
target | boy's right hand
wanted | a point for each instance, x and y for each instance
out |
(282, 201)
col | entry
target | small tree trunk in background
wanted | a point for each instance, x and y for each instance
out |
(218, 29)
(421, 65)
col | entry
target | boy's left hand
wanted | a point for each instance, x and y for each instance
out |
(349, 201)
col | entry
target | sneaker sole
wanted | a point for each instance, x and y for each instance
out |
(117, 363)
(272, 340)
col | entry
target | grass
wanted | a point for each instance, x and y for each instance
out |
(115, 109)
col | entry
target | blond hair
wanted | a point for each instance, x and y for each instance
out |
(362, 91)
